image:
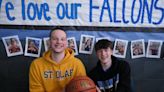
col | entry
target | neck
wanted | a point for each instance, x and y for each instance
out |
(107, 65)
(57, 57)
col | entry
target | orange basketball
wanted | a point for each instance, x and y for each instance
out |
(81, 84)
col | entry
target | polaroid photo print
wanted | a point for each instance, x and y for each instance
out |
(33, 46)
(13, 45)
(120, 48)
(100, 38)
(46, 43)
(86, 44)
(72, 44)
(137, 48)
(154, 48)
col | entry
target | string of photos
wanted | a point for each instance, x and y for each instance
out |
(33, 45)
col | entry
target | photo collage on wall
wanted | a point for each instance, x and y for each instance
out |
(120, 48)
(86, 44)
(72, 44)
(46, 43)
(12, 45)
(137, 48)
(33, 46)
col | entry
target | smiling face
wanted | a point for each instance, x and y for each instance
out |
(104, 55)
(104, 50)
(58, 41)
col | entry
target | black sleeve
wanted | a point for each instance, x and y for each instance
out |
(92, 75)
(124, 84)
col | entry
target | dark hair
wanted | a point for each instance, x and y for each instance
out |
(103, 44)
(56, 28)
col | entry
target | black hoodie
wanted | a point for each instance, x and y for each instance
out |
(114, 79)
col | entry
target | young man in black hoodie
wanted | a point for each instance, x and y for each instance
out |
(110, 74)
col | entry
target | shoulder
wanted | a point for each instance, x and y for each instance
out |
(124, 66)
(119, 62)
(38, 61)
(123, 63)
(76, 60)
(93, 72)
